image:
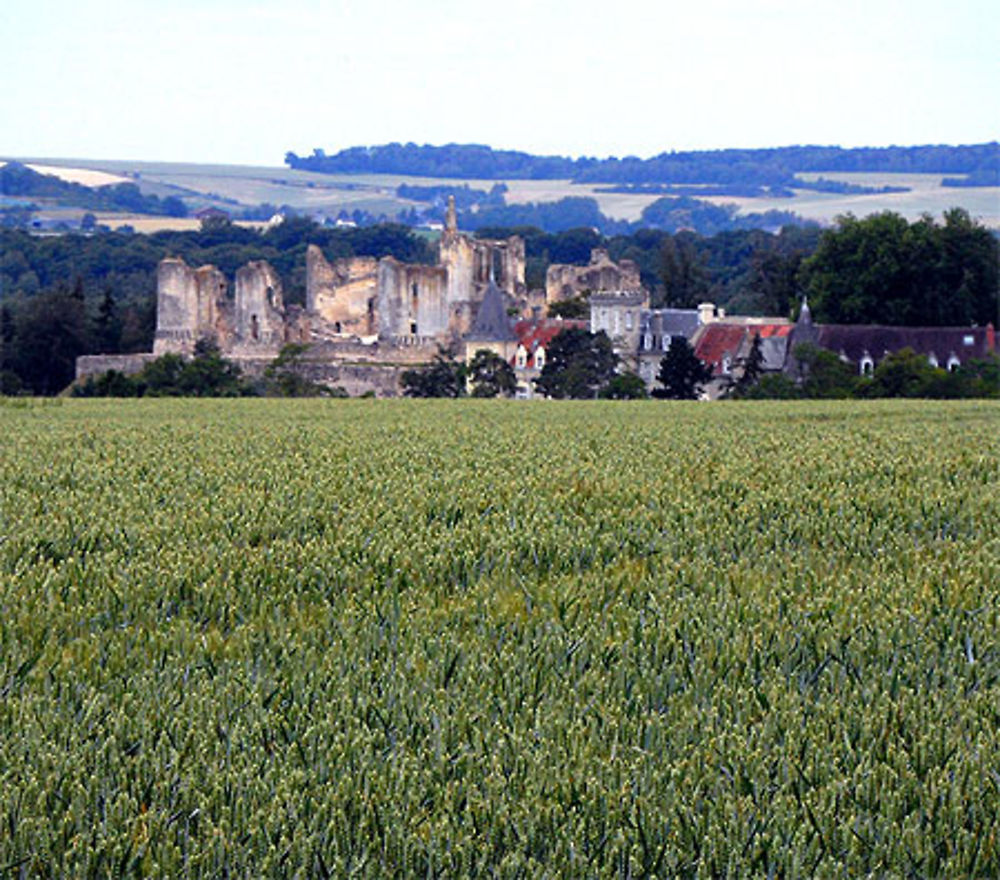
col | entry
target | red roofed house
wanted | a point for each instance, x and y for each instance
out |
(533, 338)
(724, 345)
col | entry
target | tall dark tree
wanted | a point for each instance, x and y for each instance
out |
(443, 377)
(682, 374)
(884, 270)
(490, 375)
(578, 364)
(107, 323)
(50, 332)
(685, 282)
(749, 368)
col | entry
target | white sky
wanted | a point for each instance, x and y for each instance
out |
(242, 81)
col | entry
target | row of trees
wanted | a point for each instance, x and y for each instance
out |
(904, 373)
(769, 167)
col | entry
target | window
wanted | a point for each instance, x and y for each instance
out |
(664, 342)
(336, 327)
(413, 328)
(953, 364)
(969, 340)
(932, 360)
(521, 358)
(540, 358)
(254, 327)
(727, 364)
(867, 365)
(628, 320)
(647, 341)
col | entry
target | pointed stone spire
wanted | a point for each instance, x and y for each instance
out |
(805, 315)
(451, 218)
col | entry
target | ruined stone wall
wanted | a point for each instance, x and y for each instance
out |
(342, 295)
(564, 282)
(470, 262)
(259, 310)
(96, 364)
(413, 301)
(190, 304)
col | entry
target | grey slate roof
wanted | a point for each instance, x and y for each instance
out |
(492, 323)
(670, 322)
(874, 341)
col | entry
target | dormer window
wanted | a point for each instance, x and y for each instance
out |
(867, 366)
(953, 364)
(727, 364)
(932, 360)
(540, 358)
(521, 358)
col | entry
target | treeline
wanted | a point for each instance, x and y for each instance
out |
(764, 167)
(18, 180)
(902, 373)
(752, 191)
(465, 196)
(669, 213)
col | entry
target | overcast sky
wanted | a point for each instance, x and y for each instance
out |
(242, 81)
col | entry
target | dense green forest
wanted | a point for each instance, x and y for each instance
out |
(764, 167)
(63, 296)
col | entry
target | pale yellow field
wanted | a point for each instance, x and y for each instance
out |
(86, 176)
(146, 224)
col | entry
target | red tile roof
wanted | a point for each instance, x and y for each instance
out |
(533, 334)
(719, 340)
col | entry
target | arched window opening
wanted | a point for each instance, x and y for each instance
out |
(867, 366)
(953, 364)
(254, 328)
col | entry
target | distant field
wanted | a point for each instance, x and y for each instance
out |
(926, 196)
(231, 186)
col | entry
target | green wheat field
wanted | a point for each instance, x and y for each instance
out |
(263, 638)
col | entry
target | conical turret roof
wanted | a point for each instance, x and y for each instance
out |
(492, 323)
